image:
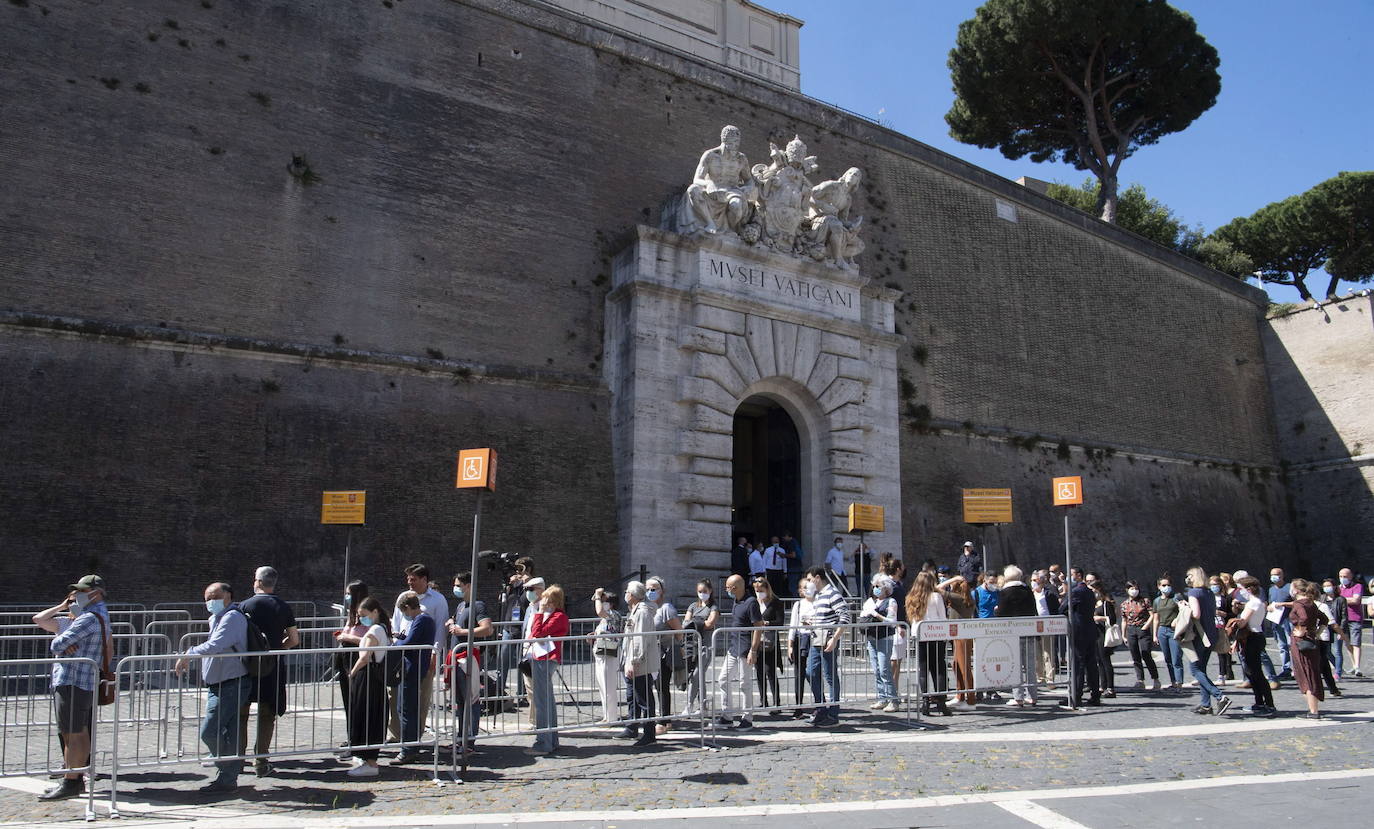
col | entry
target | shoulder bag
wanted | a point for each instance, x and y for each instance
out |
(107, 689)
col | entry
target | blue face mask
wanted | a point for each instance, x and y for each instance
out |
(366, 621)
(215, 606)
(653, 595)
(348, 600)
(1345, 582)
(1166, 589)
(877, 592)
(1216, 588)
(457, 592)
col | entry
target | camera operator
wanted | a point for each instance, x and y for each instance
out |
(514, 608)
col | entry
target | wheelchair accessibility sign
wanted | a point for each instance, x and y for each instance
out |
(1068, 491)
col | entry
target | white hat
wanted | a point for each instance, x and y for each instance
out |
(537, 581)
(1239, 574)
(968, 543)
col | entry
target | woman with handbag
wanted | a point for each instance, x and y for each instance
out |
(701, 616)
(606, 653)
(1307, 621)
(1247, 639)
(881, 609)
(766, 666)
(1104, 614)
(367, 688)
(666, 617)
(1199, 641)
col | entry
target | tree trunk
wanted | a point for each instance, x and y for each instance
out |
(1302, 289)
(1331, 289)
(1106, 199)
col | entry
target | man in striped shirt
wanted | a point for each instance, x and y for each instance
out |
(829, 610)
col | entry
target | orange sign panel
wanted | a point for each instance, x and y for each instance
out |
(477, 469)
(987, 506)
(1068, 491)
(344, 507)
(865, 518)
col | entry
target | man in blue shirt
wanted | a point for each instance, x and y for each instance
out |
(410, 697)
(226, 683)
(74, 683)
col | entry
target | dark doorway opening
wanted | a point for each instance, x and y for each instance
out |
(767, 471)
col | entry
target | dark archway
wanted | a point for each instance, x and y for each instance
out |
(766, 467)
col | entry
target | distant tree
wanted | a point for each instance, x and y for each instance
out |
(1344, 205)
(1136, 211)
(1215, 253)
(1330, 225)
(1085, 81)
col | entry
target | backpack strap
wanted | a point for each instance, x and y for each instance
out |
(104, 642)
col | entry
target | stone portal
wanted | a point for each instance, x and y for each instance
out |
(702, 329)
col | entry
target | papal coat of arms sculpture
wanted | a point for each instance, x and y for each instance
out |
(775, 205)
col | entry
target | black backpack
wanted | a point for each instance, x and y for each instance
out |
(259, 660)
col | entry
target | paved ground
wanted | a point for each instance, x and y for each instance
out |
(993, 768)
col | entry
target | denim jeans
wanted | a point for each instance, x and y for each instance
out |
(1283, 632)
(408, 705)
(545, 715)
(1338, 655)
(818, 662)
(880, 660)
(1206, 690)
(1171, 653)
(219, 731)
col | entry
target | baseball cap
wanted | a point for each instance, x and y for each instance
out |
(537, 581)
(91, 582)
(968, 543)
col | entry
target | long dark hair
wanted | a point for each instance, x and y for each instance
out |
(383, 618)
(357, 591)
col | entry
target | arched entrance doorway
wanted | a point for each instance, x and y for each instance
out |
(766, 497)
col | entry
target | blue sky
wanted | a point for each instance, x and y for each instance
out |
(1294, 109)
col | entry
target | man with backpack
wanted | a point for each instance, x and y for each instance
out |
(226, 683)
(274, 618)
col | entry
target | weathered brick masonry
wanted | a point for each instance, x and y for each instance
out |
(446, 182)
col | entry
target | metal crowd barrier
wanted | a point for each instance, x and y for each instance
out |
(171, 735)
(28, 733)
(1003, 655)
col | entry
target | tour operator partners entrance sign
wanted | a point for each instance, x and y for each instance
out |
(813, 293)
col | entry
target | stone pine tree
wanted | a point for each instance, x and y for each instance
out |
(1330, 226)
(1136, 211)
(1083, 81)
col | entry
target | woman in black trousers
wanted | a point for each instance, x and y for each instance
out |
(766, 666)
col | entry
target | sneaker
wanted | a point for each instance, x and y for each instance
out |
(744, 725)
(405, 758)
(1273, 684)
(1154, 685)
(262, 768)
(221, 786)
(1139, 685)
(1312, 716)
(67, 788)
(1109, 694)
(1011, 703)
(363, 770)
(1202, 709)
(1221, 706)
(720, 722)
(1358, 672)
(891, 707)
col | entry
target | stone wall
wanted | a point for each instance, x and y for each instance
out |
(1321, 368)
(433, 192)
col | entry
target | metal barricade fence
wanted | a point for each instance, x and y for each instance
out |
(853, 674)
(589, 688)
(1001, 656)
(29, 742)
(315, 721)
(20, 642)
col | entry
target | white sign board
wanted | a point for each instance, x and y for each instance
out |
(996, 662)
(1022, 626)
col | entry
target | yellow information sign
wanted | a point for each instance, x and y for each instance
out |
(987, 506)
(346, 507)
(477, 469)
(865, 518)
(1068, 491)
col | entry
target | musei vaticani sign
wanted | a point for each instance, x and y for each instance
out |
(778, 287)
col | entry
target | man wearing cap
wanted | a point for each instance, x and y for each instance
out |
(226, 683)
(85, 637)
(970, 564)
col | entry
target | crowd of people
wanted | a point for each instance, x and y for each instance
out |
(385, 692)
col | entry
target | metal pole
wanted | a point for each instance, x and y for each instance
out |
(469, 662)
(348, 547)
(1068, 603)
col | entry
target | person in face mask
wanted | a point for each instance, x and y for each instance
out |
(987, 596)
(1135, 629)
(226, 683)
(468, 614)
(1248, 642)
(1352, 623)
(742, 638)
(799, 641)
(766, 666)
(666, 617)
(701, 616)
(367, 699)
(349, 636)
(881, 609)
(84, 634)
(1162, 615)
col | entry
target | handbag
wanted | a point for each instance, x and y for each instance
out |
(1113, 637)
(108, 685)
(1183, 623)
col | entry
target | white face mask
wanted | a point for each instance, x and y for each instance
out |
(703, 597)
(83, 600)
(1133, 592)
(809, 589)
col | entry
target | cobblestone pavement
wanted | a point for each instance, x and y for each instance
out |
(1138, 738)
